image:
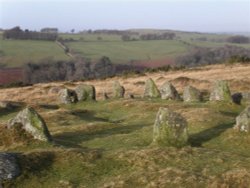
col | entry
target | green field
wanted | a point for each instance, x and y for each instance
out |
(15, 53)
(122, 52)
(18, 52)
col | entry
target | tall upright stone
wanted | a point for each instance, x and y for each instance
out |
(169, 92)
(85, 92)
(118, 90)
(243, 120)
(151, 90)
(191, 94)
(67, 96)
(32, 123)
(220, 92)
(170, 129)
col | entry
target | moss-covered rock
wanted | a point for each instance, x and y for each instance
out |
(67, 96)
(191, 94)
(169, 92)
(170, 129)
(33, 123)
(85, 92)
(118, 90)
(220, 92)
(151, 90)
(243, 120)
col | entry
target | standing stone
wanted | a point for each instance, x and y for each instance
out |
(169, 92)
(118, 90)
(67, 96)
(85, 92)
(191, 94)
(151, 90)
(9, 168)
(220, 92)
(32, 123)
(243, 120)
(170, 129)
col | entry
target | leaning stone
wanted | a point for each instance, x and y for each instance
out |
(32, 123)
(170, 129)
(85, 92)
(220, 92)
(67, 96)
(243, 120)
(118, 90)
(169, 92)
(151, 90)
(9, 168)
(191, 94)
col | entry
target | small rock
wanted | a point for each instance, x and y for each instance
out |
(169, 92)
(191, 94)
(67, 96)
(220, 92)
(151, 90)
(237, 97)
(33, 123)
(118, 90)
(9, 168)
(85, 92)
(243, 120)
(170, 129)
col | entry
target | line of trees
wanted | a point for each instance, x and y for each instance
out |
(163, 36)
(18, 33)
(207, 56)
(238, 39)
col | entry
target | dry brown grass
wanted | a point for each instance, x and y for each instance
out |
(238, 77)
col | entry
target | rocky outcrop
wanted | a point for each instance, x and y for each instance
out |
(67, 96)
(191, 94)
(220, 92)
(151, 90)
(32, 123)
(169, 92)
(170, 129)
(85, 92)
(9, 168)
(118, 90)
(243, 120)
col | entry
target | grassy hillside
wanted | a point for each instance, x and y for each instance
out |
(18, 52)
(108, 143)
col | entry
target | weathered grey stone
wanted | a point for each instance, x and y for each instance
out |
(169, 92)
(32, 123)
(220, 92)
(118, 90)
(67, 96)
(191, 94)
(9, 168)
(151, 90)
(170, 129)
(85, 92)
(243, 120)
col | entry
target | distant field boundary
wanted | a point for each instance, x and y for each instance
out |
(10, 75)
